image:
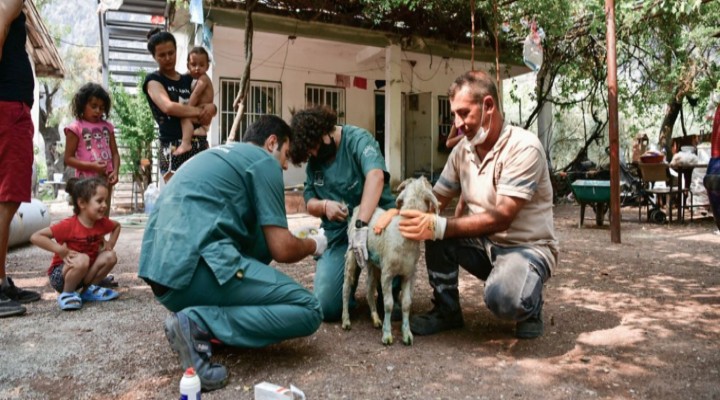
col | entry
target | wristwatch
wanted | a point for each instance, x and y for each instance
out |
(360, 224)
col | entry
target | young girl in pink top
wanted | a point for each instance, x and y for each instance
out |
(90, 145)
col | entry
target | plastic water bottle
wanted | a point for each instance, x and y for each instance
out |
(190, 385)
(149, 197)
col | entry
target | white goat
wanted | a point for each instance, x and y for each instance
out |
(390, 255)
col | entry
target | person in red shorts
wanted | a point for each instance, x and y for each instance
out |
(16, 147)
(712, 178)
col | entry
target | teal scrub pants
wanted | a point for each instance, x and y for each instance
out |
(263, 307)
(329, 279)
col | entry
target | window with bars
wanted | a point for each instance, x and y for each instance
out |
(264, 97)
(445, 121)
(333, 97)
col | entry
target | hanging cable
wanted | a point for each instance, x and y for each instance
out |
(472, 35)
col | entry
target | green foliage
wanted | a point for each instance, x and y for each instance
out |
(135, 129)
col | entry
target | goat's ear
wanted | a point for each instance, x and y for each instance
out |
(402, 184)
(432, 203)
(400, 199)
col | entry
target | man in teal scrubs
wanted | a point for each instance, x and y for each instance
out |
(207, 245)
(345, 169)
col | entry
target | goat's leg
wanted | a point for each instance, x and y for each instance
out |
(388, 303)
(373, 279)
(407, 285)
(348, 282)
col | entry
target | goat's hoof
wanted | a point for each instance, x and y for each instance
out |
(346, 326)
(408, 339)
(387, 340)
(377, 323)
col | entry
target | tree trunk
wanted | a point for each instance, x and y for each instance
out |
(50, 134)
(671, 114)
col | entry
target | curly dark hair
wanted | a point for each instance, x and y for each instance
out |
(309, 126)
(83, 189)
(84, 94)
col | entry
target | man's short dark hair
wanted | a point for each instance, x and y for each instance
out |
(267, 125)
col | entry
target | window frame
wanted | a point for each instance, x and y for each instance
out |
(251, 114)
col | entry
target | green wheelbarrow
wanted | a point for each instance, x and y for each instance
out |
(596, 194)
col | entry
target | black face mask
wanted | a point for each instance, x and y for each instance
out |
(326, 151)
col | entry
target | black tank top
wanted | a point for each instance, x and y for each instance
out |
(179, 92)
(16, 75)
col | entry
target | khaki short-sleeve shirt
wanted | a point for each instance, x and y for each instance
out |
(515, 167)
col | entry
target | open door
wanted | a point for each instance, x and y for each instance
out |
(380, 120)
(418, 135)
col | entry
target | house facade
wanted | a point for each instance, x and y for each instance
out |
(395, 89)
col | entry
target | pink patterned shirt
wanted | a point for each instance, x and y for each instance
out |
(93, 143)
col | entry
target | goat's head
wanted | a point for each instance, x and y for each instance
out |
(416, 194)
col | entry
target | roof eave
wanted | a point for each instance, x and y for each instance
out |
(40, 46)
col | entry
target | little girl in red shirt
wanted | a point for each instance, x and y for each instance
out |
(82, 255)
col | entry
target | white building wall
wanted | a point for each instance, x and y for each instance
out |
(302, 61)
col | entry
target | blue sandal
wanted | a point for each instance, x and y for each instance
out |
(69, 301)
(97, 293)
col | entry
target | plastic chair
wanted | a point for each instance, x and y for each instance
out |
(650, 174)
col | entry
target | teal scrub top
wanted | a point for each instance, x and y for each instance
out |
(214, 207)
(343, 179)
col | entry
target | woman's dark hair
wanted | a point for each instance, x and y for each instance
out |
(84, 94)
(309, 126)
(83, 189)
(267, 125)
(158, 36)
(198, 50)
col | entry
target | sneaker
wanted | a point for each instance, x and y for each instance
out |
(17, 294)
(437, 320)
(530, 328)
(9, 307)
(194, 350)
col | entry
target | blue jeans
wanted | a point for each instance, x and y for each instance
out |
(712, 185)
(513, 275)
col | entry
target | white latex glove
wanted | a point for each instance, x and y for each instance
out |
(358, 243)
(320, 242)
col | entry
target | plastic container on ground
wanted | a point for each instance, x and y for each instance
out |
(150, 197)
(190, 388)
(270, 391)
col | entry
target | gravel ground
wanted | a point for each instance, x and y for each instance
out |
(638, 320)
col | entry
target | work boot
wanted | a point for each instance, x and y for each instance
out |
(9, 307)
(194, 350)
(530, 328)
(437, 320)
(16, 294)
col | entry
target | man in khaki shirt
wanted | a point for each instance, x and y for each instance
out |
(503, 232)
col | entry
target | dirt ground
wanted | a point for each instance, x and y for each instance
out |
(639, 320)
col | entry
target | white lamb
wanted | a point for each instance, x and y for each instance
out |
(390, 255)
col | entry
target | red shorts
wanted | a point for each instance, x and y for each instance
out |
(16, 151)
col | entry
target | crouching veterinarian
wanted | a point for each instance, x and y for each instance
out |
(504, 234)
(345, 169)
(214, 229)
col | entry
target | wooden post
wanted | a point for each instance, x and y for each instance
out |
(613, 127)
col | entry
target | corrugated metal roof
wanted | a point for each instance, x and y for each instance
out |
(123, 34)
(40, 45)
